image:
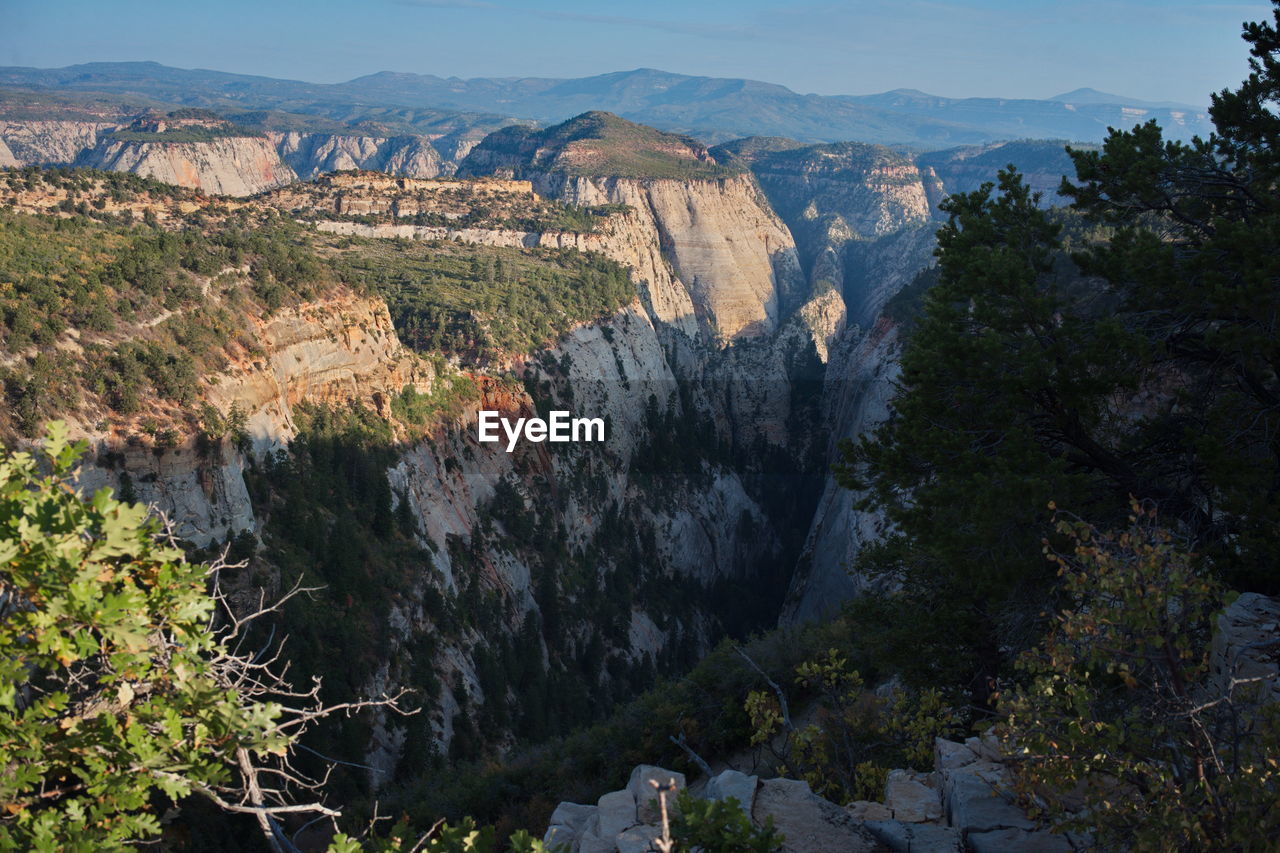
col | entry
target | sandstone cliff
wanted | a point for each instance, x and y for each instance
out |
(235, 166)
(310, 154)
(839, 201)
(726, 249)
(856, 393)
(27, 141)
(52, 142)
(340, 349)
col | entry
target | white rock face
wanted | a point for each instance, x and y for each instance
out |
(7, 160)
(979, 814)
(235, 166)
(48, 143)
(878, 269)
(729, 250)
(207, 502)
(336, 349)
(310, 154)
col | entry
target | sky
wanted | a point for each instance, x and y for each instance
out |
(1156, 50)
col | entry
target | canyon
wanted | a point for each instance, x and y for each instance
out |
(756, 339)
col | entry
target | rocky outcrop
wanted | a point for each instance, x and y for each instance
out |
(726, 249)
(340, 349)
(310, 154)
(1245, 656)
(337, 350)
(965, 804)
(629, 820)
(725, 246)
(235, 166)
(48, 143)
(857, 389)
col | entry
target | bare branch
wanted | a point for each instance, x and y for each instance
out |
(693, 756)
(773, 685)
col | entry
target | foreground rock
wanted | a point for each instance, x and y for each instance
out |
(809, 823)
(966, 805)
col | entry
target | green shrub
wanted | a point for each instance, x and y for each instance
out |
(720, 826)
(1122, 713)
(108, 702)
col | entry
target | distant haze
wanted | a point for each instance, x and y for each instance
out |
(1153, 50)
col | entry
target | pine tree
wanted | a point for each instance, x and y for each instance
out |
(1146, 364)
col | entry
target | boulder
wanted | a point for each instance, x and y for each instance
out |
(739, 786)
(810, 823)
(948, 755)
(638, 839)
(911, 800)
(989, 747)
(573, 815)
(1018, 841)
(974, 805)
(646, 796)
(591, 843)
(1246, 645)
(559, 835)
(617, 812)
(867, 810)
(916, 837)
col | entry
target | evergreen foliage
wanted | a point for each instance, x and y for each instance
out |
(1132, 353)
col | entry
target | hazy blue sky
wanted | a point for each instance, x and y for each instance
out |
(1150, 49)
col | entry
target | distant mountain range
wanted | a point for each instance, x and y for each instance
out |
(712, 109)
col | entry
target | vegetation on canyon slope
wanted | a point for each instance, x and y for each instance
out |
(1143, 365)
(484, 303)
(602, 144)
(155, 308)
